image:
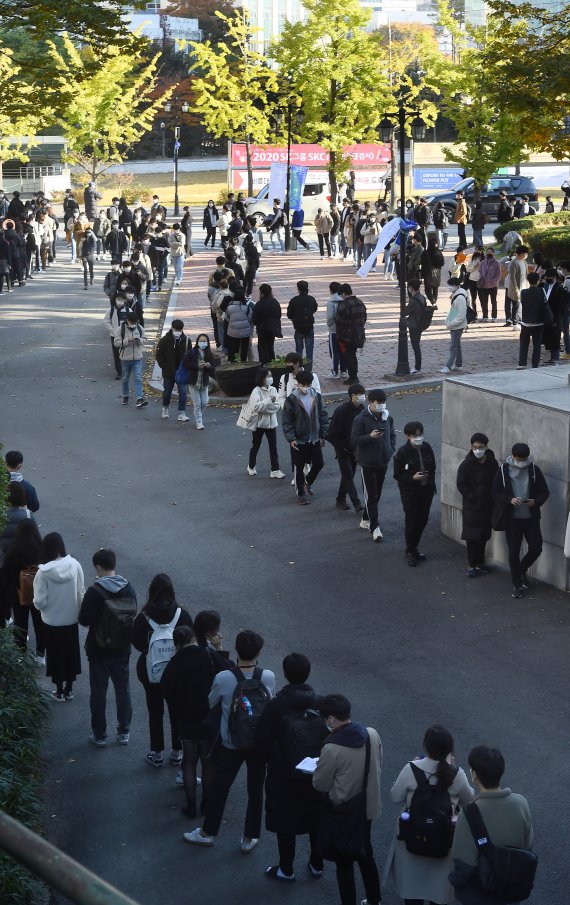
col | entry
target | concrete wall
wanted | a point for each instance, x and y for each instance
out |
(513, 406)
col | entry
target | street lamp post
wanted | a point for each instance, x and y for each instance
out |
(418, 133)
(163, 134)
(184, 108)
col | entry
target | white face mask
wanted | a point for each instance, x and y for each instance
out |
(210, 205)
(417, 441)
(269, 381)
(177, 334)
(361, 399)
(479, 453)
(520, 463)
(304, 390)
(203, 345)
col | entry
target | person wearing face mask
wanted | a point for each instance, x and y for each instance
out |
(170, 351)
(88, 246)
(557, 300)
(414, 470)
(305, 425)
(535, 312)
(186, 227)
(199, 362)
(351, 759)
(117, 315)
(374, 439)
(475, 477)
(340, 437)
(176, 242)
(266, 318)
(115, 242)
(456, 323)
(521, 489)
(460, 217)
(490, 277)
(133, 279)
(264, 405)
(129, 340)
(288, 382)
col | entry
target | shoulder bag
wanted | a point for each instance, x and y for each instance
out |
(342, 827)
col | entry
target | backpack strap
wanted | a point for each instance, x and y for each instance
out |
(238, 674)
(366, 763)
(257, 674)
(173, 622)
(478, 830)
(419, 775)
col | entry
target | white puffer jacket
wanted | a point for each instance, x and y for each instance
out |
(264, 404)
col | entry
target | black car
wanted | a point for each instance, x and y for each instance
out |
(512, 185)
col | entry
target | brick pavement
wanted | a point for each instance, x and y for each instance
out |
(486, 347)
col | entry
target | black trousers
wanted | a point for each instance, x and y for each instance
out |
(237, 347)
(21, 617)
(215, 329)
(116, 358)
(88, 262)
(416, 505)
(298, 237)
(347, 467)
(349, 350)
(373, 480)
(484, 296)
(210, 235)
(155, 707)
(228, 763)
(197, 750)
(324, 239)
(462, 239)
(286, 845)
(306, 453)
(517, 529)
(528, 333)
(432, 292)
(249, 278)
(257, 437)
(415, 339)
(476, 552)
(511, 309)
(265, 347)
(368, 870)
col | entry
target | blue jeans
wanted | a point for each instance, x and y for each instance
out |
(167, 393)
(100, 671)
(455, 355)
(477, 237)
(73, 248)
(134, 367)
(336, 355)
(200, 400)
(178, 268)
(309, 342)
(389, 263)
(279, 233)
(162, 270)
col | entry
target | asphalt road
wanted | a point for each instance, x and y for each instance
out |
(408, 646)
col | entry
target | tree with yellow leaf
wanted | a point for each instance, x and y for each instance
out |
(18, 116)
(103, 101)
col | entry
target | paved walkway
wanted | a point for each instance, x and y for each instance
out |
(486, 347)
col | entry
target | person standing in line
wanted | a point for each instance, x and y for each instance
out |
(160, 609)
(340, 437)
(170, 351)
(275, 223)
(475, 478)
(129, 340)
(238, 326)
(478, 222)
(301, 312)
(5, 263)
(58, 592)
(460, 218)
(474, 275)
(456, 323)
(440, 223)
(431, 263)
(90, 198)
(532, 318)
(415, 310)
(199, 362)
(490, 271)
(337, 357)
(288, 382)
(520, 487)
(115, 242)
(507, 822)
(229, 758)
(101, 227)
(253, 259)
(186, 227)
(340, 775)
(558, 302)
(297, 224)
(24, 553)
(264, 405)
(418, 878)
(374, 439)
(16, 513)
(107, 663)
(350, 329)
(14, 461)
(323, 224)
(305, 425)
(210, 223)
(87, 254)
(414, 470)
(177, 252)
(266, 318)
(517, 276)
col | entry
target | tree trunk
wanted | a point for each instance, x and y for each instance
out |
(332, 176)
(476, 192)
(249, 167)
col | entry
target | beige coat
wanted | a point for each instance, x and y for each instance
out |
(323, 224)
(340, 773)
(131, 345)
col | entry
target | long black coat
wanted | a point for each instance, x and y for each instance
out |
(475, 483)
(291, 803)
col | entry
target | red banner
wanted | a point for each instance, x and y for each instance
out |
(365, 155)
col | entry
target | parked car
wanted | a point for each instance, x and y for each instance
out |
(512, 185)
(315, 195)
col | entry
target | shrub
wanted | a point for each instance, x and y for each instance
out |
(553, 243)
(529, 224)
(4, 481)
(24, 714)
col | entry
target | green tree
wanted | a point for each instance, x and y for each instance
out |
(486, 138)
(233, 86)
(103, 101)
(338, 76)
(96, 21)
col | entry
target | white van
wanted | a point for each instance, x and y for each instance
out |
(315, 195)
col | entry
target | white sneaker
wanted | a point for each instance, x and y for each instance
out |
(445, 370)
(416, 371)
(165, 413)
(251, 471)
(344, 374)
(179, 778)
(199, 427)
(277, 474)
(183, 417)
(334, 376)
(197, 838)
(377, 535)
(292, 482)
(248, 847)
(364, 523)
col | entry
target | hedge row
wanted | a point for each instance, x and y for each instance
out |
(547, 233)
(23, 715)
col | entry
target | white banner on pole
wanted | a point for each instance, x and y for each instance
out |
(277, 182)
(387, 233)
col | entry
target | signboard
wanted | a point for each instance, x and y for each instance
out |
(277, 181)
(436, 179)
(365, 155)
(366, 180)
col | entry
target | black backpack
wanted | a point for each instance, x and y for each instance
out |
(302, 736)
(428, 831)
(115, 628)
(249, 700)
(426, 316)
(506, 874)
